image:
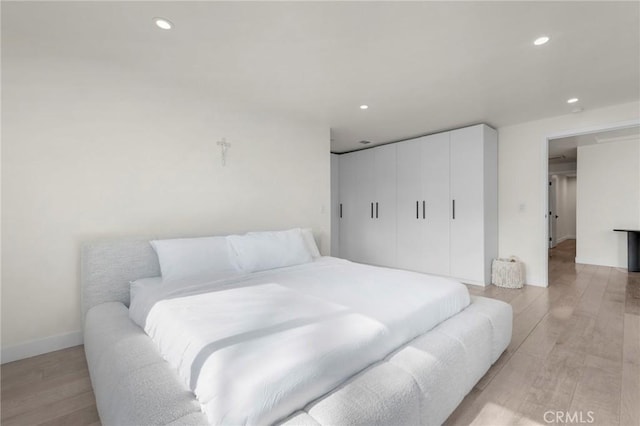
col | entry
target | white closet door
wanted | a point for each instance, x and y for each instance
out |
(368, 197)
(423, 204)
(436, 196)
(349, 182)
(383, 244)
(467, 208)
(335, 205)
(410, 225)
(362, 227)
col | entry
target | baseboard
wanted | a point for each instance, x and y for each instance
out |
(597, 263)
(536, 284)
(470, 282)
(568, 237)
(40, 346)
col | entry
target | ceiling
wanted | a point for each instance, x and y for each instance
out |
(567, 148)
(422, 67)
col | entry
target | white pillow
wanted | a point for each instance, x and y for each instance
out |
(137, 286)
(307, 234)
(193, 257)
(259, 251)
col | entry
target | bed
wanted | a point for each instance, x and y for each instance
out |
(367, 363)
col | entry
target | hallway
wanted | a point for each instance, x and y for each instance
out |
(561, 256)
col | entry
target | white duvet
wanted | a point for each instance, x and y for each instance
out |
(255, 348)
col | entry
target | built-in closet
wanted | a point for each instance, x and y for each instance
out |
(427, 204)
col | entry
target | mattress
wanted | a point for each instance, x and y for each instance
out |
(255, 348)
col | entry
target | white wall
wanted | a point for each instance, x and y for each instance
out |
(565, 207)
(608, 197)
(523, 180)
(563, 167)
(91, 151)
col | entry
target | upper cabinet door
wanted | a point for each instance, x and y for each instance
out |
(467, 206)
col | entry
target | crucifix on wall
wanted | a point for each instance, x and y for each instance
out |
(224, 146)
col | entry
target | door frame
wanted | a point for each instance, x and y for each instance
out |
(544, 246)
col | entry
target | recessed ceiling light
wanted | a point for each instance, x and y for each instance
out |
(541, 40)
(364, 106)
(163, 23)
(365, 142)
(572, 100)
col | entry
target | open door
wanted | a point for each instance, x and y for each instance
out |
(553, 217)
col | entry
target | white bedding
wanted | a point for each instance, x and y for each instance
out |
(254, 348)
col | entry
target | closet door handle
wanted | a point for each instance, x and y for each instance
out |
(417, 211)
(340, 210)
(371, 210)
(424, 207)
(376, 209)
(454, 208)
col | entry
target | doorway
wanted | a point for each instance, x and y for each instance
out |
(562, 167)
(590, 175)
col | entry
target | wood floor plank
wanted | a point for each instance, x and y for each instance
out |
(523, 324)
(593, 295)
(630, 390)
(494, 292)
(463, 409)
(525, 298)
(554, 386)
(608, 332)
(632, 299)
(71, 364)
(598, 391)
(85, 416)
(47, 412)
(20, 400)
(544, 337)
(34, 369)
(526, 321)
(560, 318)
(46, 387)
(497, 404)
(494, 370)
(578, 333)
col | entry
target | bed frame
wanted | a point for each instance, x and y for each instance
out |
(421, 382)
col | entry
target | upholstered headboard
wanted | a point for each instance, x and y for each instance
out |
(107, 267)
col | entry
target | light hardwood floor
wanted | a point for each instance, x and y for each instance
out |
(575, 349)
(50, 389)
